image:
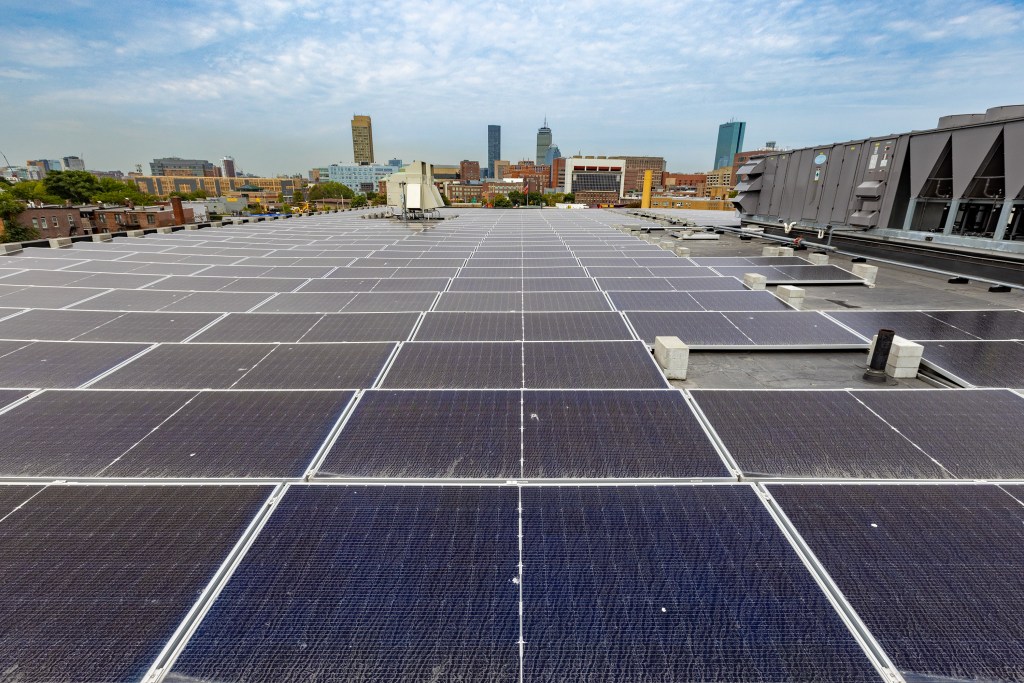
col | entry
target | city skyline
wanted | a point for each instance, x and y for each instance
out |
(121, 84)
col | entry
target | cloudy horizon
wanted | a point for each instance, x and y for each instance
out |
(274, 83)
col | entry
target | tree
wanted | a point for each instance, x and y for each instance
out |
(117, 192)
(10, 207)
(500, 201)
(569, 198)
(330, 190)
(444, 198)
(78, 186)
(33, 190)
(516, 197)
(535, 198)
(358, 201)
(379, 200)
(296, 196)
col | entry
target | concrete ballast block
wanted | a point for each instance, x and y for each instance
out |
(794, 296)
(667, 244)
(865, 272)
(673, 356)
(60, 242)
(785, 251)
(682, 251)
(191, 226)
(10, 248)
(754, 280)
(101, 237)
(818, 259)
(770, 251)
(164, 231)
(135, 233)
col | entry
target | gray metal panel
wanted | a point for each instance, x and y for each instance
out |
(844, 188)
(1013, 154)
(970, 147)
(896, 169)
(793, 208)
(767, 185)
(830, 184)
(815, 182)
(780, 182)
(924, 153)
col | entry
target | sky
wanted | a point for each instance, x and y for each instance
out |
(274, 83)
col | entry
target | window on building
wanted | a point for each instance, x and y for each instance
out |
(56, 223)
(150, 219)
(42, 223)
(71, 220)
(35, 223)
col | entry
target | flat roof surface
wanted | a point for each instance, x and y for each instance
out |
(342, 448)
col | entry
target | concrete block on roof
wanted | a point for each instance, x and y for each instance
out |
(673, 356)
(164, 231)
(794, 296)
(60, 242)
(101, 237)
(770, 251)
(10, 248)
(135, 233)
(682, 251)
(865, 272)
(818, 259)
(754, 280)
(192, 226)
(904, 348)
(785, 251)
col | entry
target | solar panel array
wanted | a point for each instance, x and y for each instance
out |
(334, 448)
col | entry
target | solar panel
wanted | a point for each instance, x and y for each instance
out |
(130, 300)
(255, 328)
(906, 324)
(56, 325)
(362, 327)
(457, 365)
(57, 365)
(301, 302)
(973, 434)
(236, 434)
(97, 431)
(812, 434)
(653, 301)
(97, 578)
(934, 571)
(565, 301)
(590, 365)
(387, 583)
(991, 325)
(672, 584)
(318, 366)
(46, 297)
(429, 434)
(740, 301)
(575, 326)
(446, 326)
(487, 284)
(793, 329)
(187, 366)
(572, 434)
(479, 301)
(410, 284)
(223, 302)
(372, 302)
(698, 284)
(694, 328)
(980, 363)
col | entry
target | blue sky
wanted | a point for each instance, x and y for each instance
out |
(274, 83)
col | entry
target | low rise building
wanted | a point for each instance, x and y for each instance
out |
(464, 192)
(162, 186)
(469, 170)
(357, 177)
(595, 180)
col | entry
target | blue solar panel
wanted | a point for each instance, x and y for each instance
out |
(370, 584)
(934, 571)
(672, 584)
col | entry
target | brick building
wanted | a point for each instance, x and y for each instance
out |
(58, 220)
(537, 177)
(469, 170)
(464, 192)
(635, 167)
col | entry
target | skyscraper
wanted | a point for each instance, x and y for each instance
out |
(551, 154)
(73, 164)
(493, 148)
(543, 141)
(228, 164)
(362, 139)
(730, 142)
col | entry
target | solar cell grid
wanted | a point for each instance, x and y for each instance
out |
(97, 578)
(596, 365)
(457, 365)
(793, 329)
(934, 571)
(680, 584)
(52, 365)
(906, 324)
(575, 326)
(317, 366)
(989, 325)
(345, 553)
(980, 363)
(451, 326)
(429, 434)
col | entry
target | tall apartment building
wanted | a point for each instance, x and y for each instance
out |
(228, 164)
(358, 177)
(362, 139)
(543, 142)
(187, 168)
(730, 142)
(551, 154)
(73, 164)
(493, 148)
(469, 170)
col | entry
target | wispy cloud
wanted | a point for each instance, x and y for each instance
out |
(647, 77)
